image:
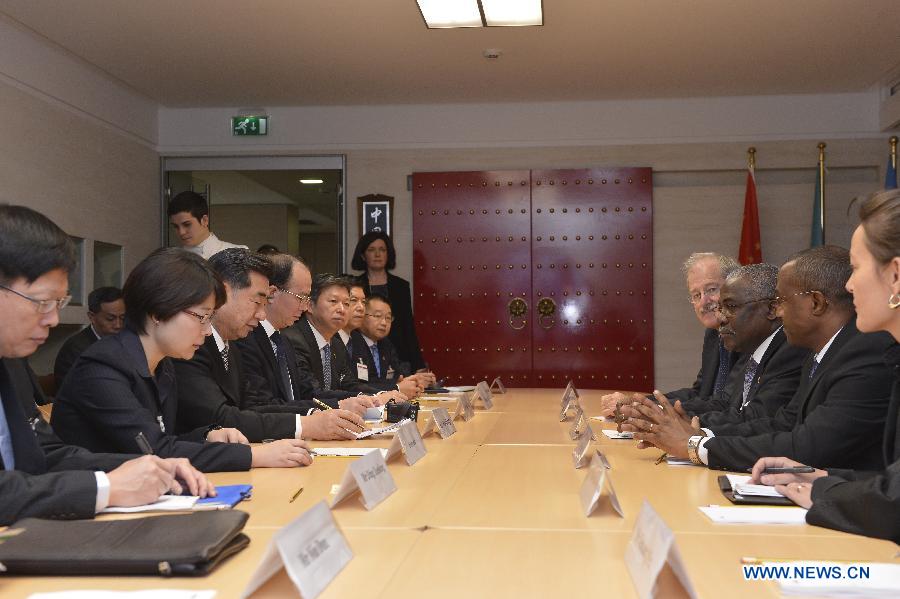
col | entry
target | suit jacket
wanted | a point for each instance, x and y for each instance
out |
(264, 376)
(69, 352)
(835, 419)
(861, 502)
(389, 361)
(704, 384)
(774, 384)
(51, 479)
(309, 359)
(403, 329)
(110, 396)
(208, 394)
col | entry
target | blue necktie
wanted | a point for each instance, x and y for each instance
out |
(6, 447)
(724, 368)
(377, 356)
(281, 357)
(326, 366)
(749, 373)
(812, 370)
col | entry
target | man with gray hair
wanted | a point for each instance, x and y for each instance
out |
(704, 273)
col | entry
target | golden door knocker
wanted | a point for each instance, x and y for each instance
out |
(546, 308)
(517, 308)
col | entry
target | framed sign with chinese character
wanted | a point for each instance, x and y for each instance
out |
(376, 213)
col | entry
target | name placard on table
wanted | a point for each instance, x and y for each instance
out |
(312, 549)
(596, 481)
(569, 401)
(408, 441)
(369, 475)
(465, 407)
(653, 559)
(501, 388)
(580, 453)
(439, 418)
(483, 392)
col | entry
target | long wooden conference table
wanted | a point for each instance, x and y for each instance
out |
(494, 511)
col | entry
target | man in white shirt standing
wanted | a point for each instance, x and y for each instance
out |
(189, 215)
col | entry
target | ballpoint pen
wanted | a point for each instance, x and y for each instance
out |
(296, 495)
(321, 404)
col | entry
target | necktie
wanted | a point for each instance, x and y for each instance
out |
(812, 369)
(377, 356)
(749, 373)
(326, 366)
(225, 356)
(724, 368)
(281, 357)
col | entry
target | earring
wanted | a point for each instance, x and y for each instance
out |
(894, 301)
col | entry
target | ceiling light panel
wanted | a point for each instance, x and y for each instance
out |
(444, 14)
(512, 13)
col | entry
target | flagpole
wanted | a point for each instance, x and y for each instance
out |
(821, 198)
(751, 157)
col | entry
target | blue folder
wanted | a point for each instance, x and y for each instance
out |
(228, 497)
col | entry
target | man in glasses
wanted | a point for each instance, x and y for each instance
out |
(270, 364)
(836, 417)
(40, 476)
(705, 273)
(213, 388)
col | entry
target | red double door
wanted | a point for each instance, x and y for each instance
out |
(536, 276)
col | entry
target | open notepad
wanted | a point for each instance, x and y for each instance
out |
(754, 514)
(741, 484)
(346, 452)
(227, 496)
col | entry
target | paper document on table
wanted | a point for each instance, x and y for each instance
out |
(603, 418)
(145, 594)
(166, 503)
(461, 389)
(679, 461)
(882, 580)
(741, 484)
(617, 435)
(378, 431)
(754, 515)
(346, 452)
(441, 397)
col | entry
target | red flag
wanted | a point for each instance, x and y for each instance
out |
(750, 251)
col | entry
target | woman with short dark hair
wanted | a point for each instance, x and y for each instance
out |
(866, 503)
(375, 255)
(124, 385)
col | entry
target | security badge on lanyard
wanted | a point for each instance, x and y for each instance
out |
(162, 426)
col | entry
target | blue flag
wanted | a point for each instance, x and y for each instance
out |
(817, 237)
(890, 177)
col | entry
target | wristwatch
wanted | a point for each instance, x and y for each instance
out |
(211, 428)
(693, 447)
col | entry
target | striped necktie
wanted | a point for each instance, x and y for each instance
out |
(326, 366)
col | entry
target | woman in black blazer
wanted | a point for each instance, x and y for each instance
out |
(375, 255)
(125, 384)
(866, 503)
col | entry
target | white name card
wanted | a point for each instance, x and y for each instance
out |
(408, 441)
(580, 453)
(501, 388)
(592, 488)
(653, 559)
(483, 392)
(569, 400)
(579, 423)
(464, 407)
(369, 475)
(311, 548)
(440, 419)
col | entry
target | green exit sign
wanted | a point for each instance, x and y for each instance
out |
(249, 125)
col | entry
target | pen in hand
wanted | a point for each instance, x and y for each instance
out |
(792, 470)
(321, 404)
(143, 444)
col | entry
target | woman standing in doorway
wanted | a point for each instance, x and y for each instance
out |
(375, 255)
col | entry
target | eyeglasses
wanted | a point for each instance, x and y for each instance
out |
(730, 308)
(43, 306)
(204, 319)
(384, 317)
(695, 298)
(302, 298)
(780, 300)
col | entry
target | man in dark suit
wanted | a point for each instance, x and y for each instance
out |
(106, 313)
(39, 475)
(213, 387)
(705, 273)
(765, 379)
(373, 348)
(312, 336)
(836, 417)
(270, 364)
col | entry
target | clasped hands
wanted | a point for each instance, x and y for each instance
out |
(654, 423)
